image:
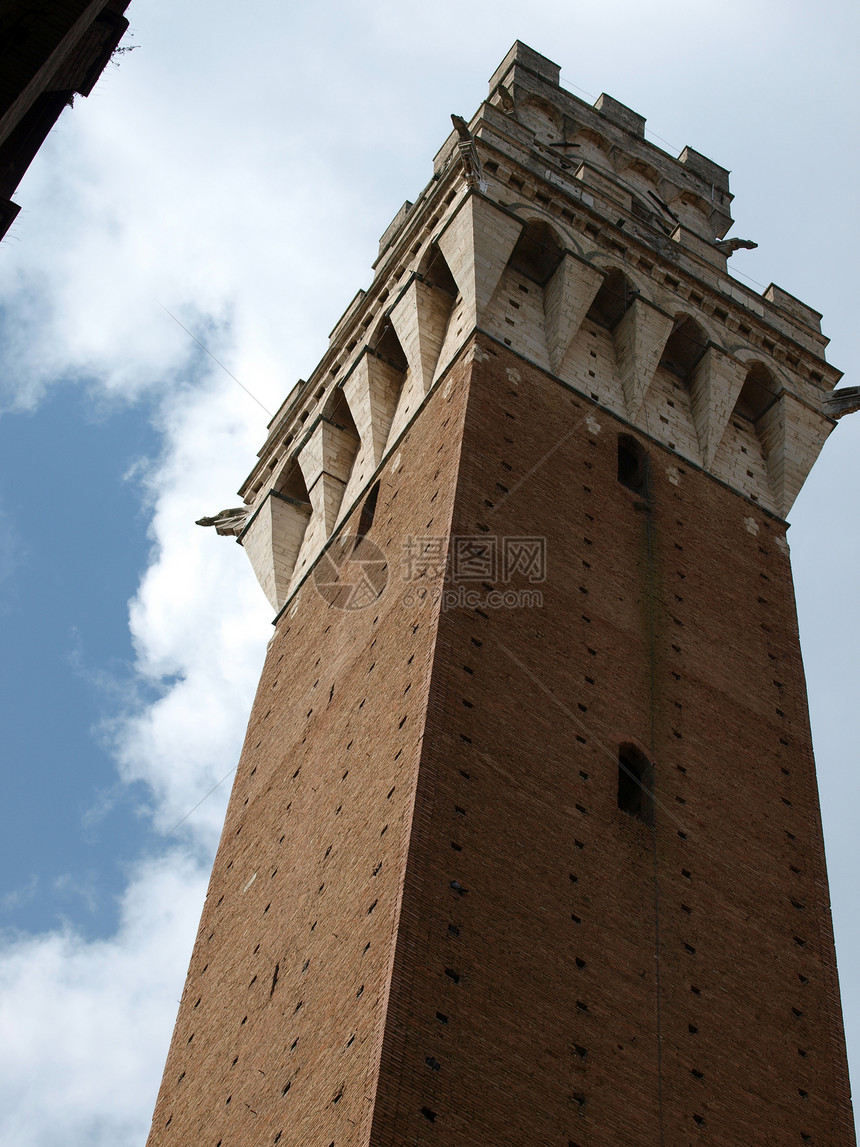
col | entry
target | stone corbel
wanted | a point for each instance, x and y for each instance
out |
(792, 435)
(326, 459)
(419, 318)
(567, 297)
(477, 243)
(272, 540)
(639, 339)
(714, 385)
(371, 391)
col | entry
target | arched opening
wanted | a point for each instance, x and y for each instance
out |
(337, 412)
(331, 453)
(436, 272)
(743, 455)
(441, 304)
(635, 784)
(362, 548)
(639, 170)
(385, 343)
(291, 483)
(540, 117)
(276, 533)
(632, 465)
(684, 347)
(757, 393)
(399, 393)
(537, 253)
(689, 199)
(594, 148)
(613, 300)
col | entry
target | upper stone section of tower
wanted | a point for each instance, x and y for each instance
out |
(610, 137)
(554, 228)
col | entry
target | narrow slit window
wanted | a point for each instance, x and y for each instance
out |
(368, 510)
(632, 465)
(635, 784)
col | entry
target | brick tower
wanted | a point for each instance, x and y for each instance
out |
(524, 845)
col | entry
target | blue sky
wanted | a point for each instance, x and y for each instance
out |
(64, 640)
(239, 171)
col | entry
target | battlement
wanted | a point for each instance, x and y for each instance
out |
(558, 230)
(530, 80)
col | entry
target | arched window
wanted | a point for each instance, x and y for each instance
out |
(757, 393)
(613, 300)
(635, 784)
(537, 253)
(385, 343)
(684, 347)
(435, 271)
(632, 465)
(291, 483)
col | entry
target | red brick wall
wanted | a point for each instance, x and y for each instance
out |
(616, 984)
(319, 817)
(586, 979)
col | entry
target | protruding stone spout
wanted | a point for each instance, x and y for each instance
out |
(227, 523)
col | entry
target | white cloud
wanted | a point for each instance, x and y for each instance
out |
(92, 1019)
(87, 1023)
(199, 616)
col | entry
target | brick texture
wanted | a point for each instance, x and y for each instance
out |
(280, 1022)
(429, 922)
(615, 983)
